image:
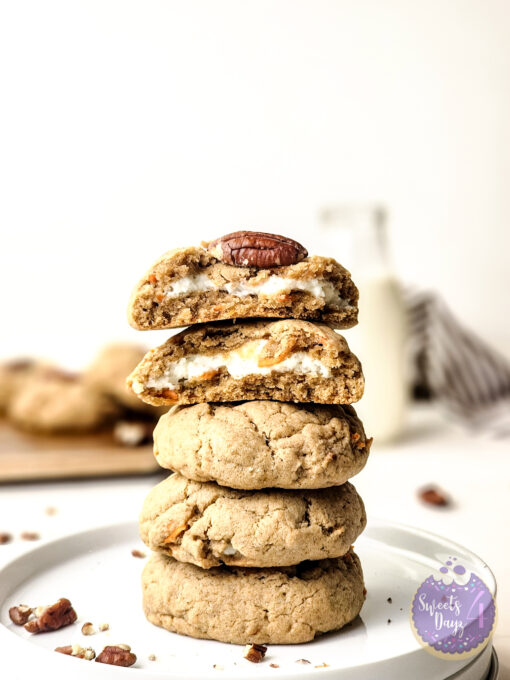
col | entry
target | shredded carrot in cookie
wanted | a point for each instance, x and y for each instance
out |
(170, 395)
(175, 533)
(209, 374)
(272, 361)
(152, 278)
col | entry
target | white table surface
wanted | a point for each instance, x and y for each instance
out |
(473, 469)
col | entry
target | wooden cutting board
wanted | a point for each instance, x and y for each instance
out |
(26, 456)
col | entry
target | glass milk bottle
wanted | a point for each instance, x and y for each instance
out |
(357, 239)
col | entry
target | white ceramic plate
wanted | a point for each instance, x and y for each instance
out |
(96, 571)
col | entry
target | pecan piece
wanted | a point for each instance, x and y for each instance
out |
(433, 496)
(117, 655)
(20, 614)
(255, 653)
(88, 629)
(256, 249)
(53, 617)
(77, 650)
(5, 537)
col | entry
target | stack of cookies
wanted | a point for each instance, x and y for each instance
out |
(252, 533)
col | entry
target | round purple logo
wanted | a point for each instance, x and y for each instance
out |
(454, 615)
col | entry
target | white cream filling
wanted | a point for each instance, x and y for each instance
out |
(190, 284)
(238, 363)
(274, 285)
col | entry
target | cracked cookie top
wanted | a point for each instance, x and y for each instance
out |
(207, 524)
(259, 444)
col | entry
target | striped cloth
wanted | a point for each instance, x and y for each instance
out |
(469, 379)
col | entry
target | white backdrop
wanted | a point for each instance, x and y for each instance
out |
(130, 127)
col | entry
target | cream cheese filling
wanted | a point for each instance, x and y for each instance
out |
(274, 285)
(238, 363)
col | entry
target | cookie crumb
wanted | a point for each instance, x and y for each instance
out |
(104, 626)
(389, 600)
(274, 665)
(138, 553)
(152, 657)
(51, 510)
(88, 629)
(255, 653)
(304, 661)
(29, 536)
(5, 537)
(218, 667)
(322, 665)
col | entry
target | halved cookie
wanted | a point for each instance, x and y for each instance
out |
(289, 605)
(190, 285)
(286, 360)
(260, 444)
(207, 524)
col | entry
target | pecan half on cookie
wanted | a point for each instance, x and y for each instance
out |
(257, 249)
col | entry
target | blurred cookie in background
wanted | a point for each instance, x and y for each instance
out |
(108, 372)
(55, 401)
(13, 376)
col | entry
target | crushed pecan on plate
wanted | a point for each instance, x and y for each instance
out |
(117, 655)
(53, 617)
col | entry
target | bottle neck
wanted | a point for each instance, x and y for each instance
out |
(360, 235)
